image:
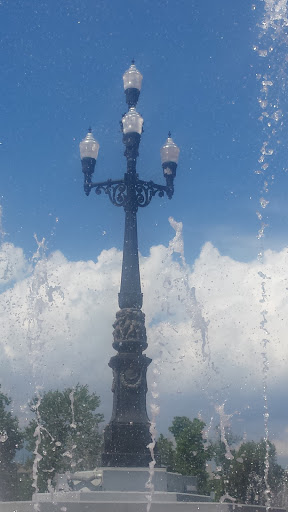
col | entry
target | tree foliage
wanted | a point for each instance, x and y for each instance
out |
(191, 451)
(64, 435)
(222, 459)
(166, 452)
(281, 497)
(244, 471)
(243, 475)
(10, 442)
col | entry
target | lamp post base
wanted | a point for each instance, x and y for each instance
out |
(127, 435)
(126, 445)
(124, 460)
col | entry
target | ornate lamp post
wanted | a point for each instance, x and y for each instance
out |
(127, 435)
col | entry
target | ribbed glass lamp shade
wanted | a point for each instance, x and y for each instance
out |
(132, 122)
(89, 147)
(169, 152)
(132, 78)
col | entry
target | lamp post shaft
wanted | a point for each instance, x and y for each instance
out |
(130, 295)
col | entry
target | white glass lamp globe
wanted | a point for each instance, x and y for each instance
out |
(132, 78)
(132, 122)
(169, 151)
(89, 147)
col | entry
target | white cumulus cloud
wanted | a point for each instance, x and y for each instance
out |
(210, 326)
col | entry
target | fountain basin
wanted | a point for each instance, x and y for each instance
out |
(131, 506)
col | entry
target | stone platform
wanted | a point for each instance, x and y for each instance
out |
(116, 489)
(125, 479)
(125, 490)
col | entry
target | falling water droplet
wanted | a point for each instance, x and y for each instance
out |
(263, 202)
(263, 53)
(3, 437)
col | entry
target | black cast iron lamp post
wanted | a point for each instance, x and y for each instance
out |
(127, 436)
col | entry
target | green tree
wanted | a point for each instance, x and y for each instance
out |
(24, 482)
(243, 476)
(64, 435)
(280, 499)
(223, 454)
(166, 452)
(192, 451)
(10, 441)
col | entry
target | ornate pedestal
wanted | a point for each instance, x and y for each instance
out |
(127, 435)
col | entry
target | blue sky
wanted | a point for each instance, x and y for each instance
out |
(62, 65)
